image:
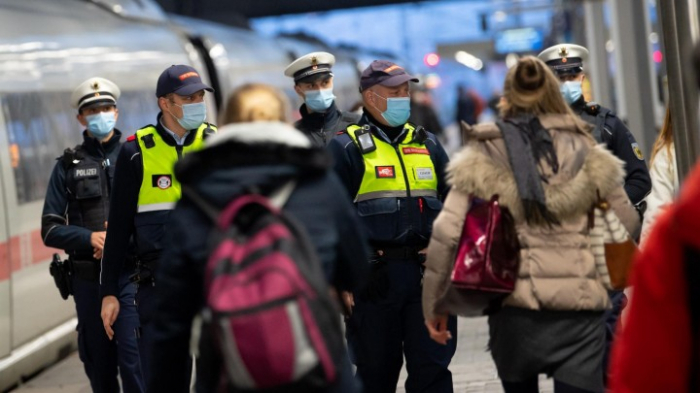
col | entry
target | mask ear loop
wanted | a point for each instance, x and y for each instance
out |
(375, 107)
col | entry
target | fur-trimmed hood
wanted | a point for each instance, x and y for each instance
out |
(483, 168)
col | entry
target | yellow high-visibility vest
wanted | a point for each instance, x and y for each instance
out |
(396, 171)
(160, 190)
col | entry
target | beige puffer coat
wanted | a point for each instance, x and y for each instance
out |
(557, 269)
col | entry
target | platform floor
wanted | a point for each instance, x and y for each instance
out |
(473, 370)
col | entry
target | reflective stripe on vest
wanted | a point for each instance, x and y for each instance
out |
(159, 187)
(404, 170)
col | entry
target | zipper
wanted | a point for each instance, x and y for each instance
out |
(405, 175)
(178, 148)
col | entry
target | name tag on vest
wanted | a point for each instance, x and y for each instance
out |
(415, 150)
(424, 173)
(88, 172)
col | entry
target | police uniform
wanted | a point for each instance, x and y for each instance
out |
(609, 129)
(76, 205)
(319, 124)
(567, 59)
(147, 190)
(397, 184)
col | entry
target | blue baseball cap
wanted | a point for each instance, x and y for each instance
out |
(180, 79)
(385, 73)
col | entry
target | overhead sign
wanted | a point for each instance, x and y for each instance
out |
(527, 39)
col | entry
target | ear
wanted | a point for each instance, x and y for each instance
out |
(162, 103)
(298, 90)
(81, 119)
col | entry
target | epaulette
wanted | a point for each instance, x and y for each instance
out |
(592, 108)
(131, 138)
(341, 132)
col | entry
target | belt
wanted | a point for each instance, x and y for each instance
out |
(401, 253)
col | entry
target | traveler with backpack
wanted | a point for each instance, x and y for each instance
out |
(395, 173)
(75, 219)
(231, 258)
(146, 189)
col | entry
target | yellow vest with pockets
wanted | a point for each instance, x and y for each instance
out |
(404, 170)
(160, 190)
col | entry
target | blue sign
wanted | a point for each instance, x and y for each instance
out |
(527, 39)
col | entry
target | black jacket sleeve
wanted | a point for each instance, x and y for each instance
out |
(180, 278)
(623, 145)
(348, 163)
(55, 230)
(440, 160)
(352, 249)
(122, 210)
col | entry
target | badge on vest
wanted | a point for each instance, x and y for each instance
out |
(637, 151)
(415, 150)
(87, 172)
(385, 171)
(424, 173)
(161, 181)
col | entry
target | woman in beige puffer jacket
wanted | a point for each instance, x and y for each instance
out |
(552, 321)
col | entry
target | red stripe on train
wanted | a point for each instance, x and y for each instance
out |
(22, 251)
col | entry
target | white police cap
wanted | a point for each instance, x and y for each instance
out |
(95, 92)
(565, 58)
(314, 64)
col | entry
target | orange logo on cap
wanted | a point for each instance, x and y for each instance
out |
(188, 75)
(392, 68)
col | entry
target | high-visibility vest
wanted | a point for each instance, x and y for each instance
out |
(404, 170)
(160, 190)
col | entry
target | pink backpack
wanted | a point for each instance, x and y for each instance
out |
(268, 307)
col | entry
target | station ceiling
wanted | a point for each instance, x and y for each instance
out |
(220, 10)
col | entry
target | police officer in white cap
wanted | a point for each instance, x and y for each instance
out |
(75, 219)
(313, 82)
(566, 60)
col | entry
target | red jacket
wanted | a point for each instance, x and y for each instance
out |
(653, 349)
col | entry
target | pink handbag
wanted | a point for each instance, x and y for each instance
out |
(488, 256)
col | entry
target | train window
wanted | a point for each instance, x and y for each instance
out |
(41, 125)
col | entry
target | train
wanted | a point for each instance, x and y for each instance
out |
(47, 48)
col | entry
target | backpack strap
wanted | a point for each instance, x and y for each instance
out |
(280, 196)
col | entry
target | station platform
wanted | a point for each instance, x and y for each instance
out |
(473, 370)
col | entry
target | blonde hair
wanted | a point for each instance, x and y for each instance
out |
(255, 102)
(532, 88)
(665, 138)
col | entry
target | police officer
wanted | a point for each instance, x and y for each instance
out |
(75, 219)
(313, 82)
(566, 60)
(147, 190)
(395, 173)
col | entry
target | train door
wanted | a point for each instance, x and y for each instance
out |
(5, 268)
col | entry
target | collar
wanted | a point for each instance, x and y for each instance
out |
(176, 138)
(96, 148)
(319, 120)
(388, 134)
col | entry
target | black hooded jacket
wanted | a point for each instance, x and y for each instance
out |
(261, 156)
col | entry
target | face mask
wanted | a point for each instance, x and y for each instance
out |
(398, 110)
(571, 91)
(193, 115)
(100, 124)
(319, 100)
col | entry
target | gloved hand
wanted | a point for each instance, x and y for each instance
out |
(377, 286)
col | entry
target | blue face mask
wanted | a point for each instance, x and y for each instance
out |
(193, 115)
(571, 91)
(398, 110)
(319, 100)
(100, 124)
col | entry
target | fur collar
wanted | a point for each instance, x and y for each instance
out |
(474, 171)
(260, 132)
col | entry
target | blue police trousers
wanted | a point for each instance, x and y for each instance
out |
(104, 359)
(381, 332)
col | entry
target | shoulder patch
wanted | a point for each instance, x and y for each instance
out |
(131, 138)
(637, 151)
